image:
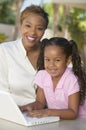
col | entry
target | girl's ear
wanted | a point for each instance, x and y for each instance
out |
(69, 60)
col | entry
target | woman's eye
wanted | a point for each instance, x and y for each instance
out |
(27, 25)
(46, 59)
(40, 28)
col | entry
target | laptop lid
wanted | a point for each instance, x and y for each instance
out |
(9, 110)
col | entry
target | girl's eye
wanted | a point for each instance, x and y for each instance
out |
(28, 26)
(58, 60)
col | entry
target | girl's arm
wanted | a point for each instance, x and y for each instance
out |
(70, 113)
(38, 104)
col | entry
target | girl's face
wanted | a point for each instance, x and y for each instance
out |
(55, 61)
(32, 29)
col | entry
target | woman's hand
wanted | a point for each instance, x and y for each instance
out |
(27, 107)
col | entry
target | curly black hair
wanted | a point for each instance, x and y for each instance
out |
(69, 49)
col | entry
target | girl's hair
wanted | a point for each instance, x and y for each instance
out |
(69, 49)
(36, 10)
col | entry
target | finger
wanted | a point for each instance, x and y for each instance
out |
(34, 114)
(21, 109)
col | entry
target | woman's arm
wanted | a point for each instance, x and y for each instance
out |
(4, 85)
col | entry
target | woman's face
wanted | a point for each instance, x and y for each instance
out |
(32, 30)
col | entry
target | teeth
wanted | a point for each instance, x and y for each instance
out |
(53, 70)
(31, 38)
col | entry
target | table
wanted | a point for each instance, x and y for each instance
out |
(77, 124)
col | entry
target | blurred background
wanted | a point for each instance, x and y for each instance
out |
(66, 18)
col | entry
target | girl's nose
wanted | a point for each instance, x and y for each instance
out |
(51, 63)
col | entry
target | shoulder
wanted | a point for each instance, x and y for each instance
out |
(6, 45)
(69, 74)
(42, 76)
(9, 46)
(42, 73)
(70, 82)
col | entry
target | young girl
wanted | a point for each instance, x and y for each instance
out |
(61, 88)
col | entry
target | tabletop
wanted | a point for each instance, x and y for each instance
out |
(77, 124)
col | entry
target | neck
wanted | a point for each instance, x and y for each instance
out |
(33, 49)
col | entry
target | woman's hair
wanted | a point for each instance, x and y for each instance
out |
(36, 10)
(69, 49)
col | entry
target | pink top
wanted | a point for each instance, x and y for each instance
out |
(67, 85)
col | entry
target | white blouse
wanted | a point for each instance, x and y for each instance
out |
(16, 72)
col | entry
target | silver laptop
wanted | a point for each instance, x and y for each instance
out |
(11, 112)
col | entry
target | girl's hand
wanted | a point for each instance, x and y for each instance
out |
(39, 113)
(32, 106)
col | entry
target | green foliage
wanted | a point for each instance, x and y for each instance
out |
(76, 23)
(50, 10)
(3, 37)
(7, 14)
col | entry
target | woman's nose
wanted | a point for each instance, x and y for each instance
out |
(33, 31)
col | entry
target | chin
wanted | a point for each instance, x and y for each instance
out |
(31, 44)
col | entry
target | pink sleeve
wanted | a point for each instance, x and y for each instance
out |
(73, 87)
(39, 79)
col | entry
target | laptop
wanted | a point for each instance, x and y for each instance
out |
(11, 112)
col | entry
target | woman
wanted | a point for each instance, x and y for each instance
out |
(18, 58)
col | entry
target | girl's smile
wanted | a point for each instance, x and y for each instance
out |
(55, 61)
